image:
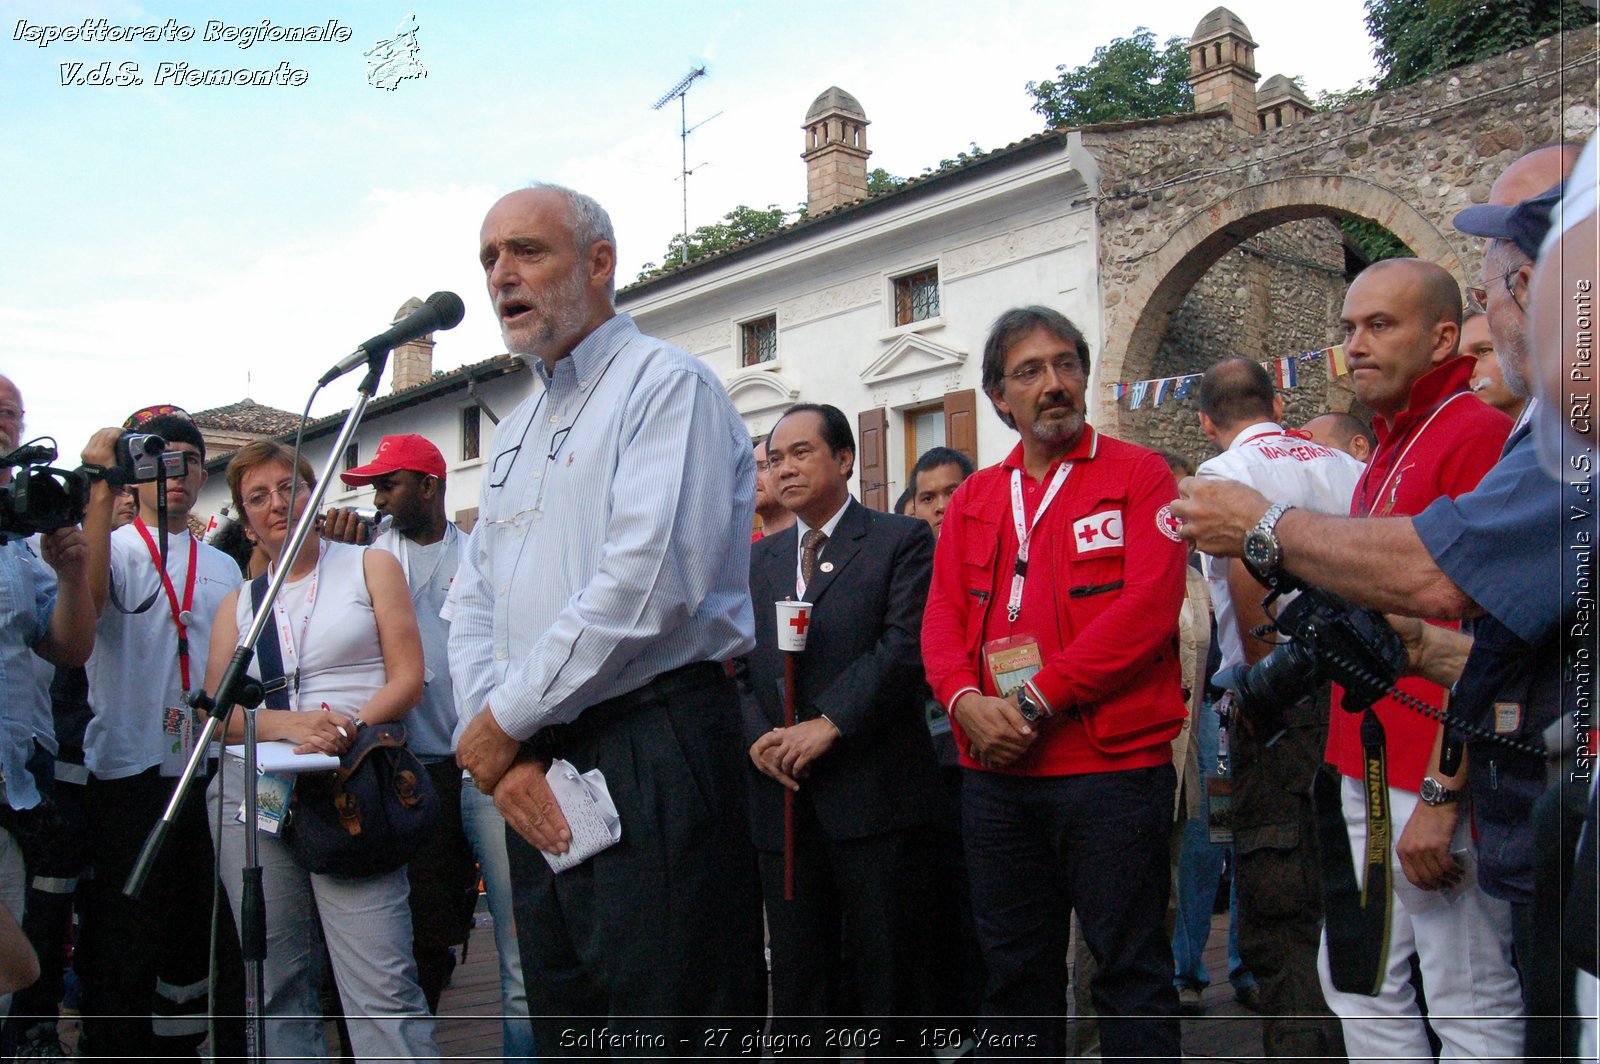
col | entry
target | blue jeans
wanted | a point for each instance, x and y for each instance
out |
(486, 833)
(1199, 870)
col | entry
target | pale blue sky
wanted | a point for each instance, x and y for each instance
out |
(163, 241)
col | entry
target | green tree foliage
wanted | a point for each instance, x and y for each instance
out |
(1371, 241)
(1334, 99)
(738, 225)
(1132, 77)
(962, 157)
(1416, 38)
(881, 180)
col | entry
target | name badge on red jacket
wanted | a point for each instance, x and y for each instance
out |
(1101, 531)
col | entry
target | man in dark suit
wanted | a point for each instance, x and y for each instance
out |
(854, 940)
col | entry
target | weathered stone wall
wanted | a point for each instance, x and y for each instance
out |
(1177, 194)
(1276, 294)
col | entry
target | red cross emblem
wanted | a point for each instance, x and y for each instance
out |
(1168, 524)
(1098, 532)
(800, 623)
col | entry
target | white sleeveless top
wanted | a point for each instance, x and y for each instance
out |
(339, 658)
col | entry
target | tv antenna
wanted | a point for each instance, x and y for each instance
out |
(680, 92)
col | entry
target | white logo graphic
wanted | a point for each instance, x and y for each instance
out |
(1168, 524)
(1101, 531)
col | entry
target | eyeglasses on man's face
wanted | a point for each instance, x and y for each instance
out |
(1478, 295)
(1067, 367)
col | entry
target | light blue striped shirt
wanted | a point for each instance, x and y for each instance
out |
(613, 535)
(27, 599)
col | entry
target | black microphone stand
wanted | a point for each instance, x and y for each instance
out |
(238, 688)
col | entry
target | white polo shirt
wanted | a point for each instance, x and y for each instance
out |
(1284, 468)
(133, 672)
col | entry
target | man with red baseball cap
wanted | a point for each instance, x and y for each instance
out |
(407, 475)
(410, 452)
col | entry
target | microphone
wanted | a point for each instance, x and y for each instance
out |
(30, 454)
(443, 310)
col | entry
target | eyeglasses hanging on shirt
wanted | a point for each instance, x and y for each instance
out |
(558, 439)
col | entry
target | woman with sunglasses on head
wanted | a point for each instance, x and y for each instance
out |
(348, 639)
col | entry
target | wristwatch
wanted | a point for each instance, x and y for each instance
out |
(1031, 711)
(1432, 792)
(1262, 551)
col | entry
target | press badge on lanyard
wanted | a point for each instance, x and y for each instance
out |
(1012, 661)
(177, 726)
(272, 802)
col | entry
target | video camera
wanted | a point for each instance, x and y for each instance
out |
(42, 498)
(1328, 639)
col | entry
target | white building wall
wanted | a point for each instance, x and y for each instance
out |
(1023, 235)
(439, 419)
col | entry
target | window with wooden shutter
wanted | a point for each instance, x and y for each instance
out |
(872, 457)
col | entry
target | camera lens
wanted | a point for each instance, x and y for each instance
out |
(1277, 681)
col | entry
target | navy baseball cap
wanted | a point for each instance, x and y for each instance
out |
(1525, 223)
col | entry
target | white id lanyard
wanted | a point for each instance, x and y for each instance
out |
(1019, 574)
(288, 645)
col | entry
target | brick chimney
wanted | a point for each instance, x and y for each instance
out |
(1222, 68)
(836, 151)
(413, 362)
(1279, 102)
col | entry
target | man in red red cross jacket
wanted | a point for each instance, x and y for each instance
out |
(1051, 636)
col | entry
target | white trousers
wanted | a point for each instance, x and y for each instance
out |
(1463, 944)
(367, 925)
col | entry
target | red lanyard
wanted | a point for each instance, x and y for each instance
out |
(181, 615)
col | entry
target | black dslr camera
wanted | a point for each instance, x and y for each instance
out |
(41, 498)
(1328, 639)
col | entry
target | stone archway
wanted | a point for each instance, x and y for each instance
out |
(1139, 312)
(1176, 194)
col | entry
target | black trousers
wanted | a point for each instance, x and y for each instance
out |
(53, 878)
(854, 950)
(145, 964)
(657, 939)
(1039, 848)
(444, 887)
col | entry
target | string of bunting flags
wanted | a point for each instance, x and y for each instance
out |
(1285, 373)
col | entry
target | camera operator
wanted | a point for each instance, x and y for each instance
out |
(1493, 554)
(156, 588)
(1273, 761)
(45, 610)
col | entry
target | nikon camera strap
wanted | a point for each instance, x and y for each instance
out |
(1358, 915)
